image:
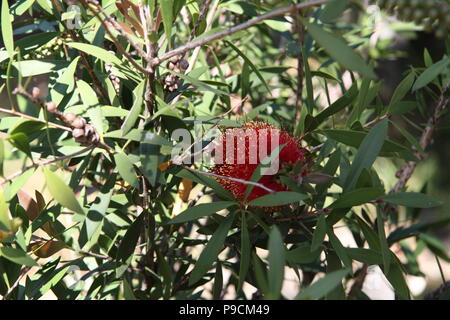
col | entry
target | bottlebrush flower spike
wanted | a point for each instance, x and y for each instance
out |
(239, 152)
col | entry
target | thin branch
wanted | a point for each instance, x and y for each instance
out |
(256, 184)
(200, 18)
(375, 121)
(45, 162)
(250, 23)
(22, 115)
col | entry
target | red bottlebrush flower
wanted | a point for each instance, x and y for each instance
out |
(242, 150)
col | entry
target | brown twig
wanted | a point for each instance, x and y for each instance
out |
(200, 18)
(376, 120)
(45, 162)
(22, 115)
(250, 23)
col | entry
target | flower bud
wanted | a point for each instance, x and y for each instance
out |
(79, 122)
(69, 117)
(36, 92)
(77, 133)
(51, 106)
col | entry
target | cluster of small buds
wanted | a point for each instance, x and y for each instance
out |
(433, 15)
(47, 50)
(177, 64)
(114, 79)
(83, 132)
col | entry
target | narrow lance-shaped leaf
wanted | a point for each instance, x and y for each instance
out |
(412, 199)
(319, 233)
(211, 251)
(245, 252)
(166, 13)
(201, 210)
(6, 26)
(431, 73)
(323, 286)
(339, 50)
(367, 153)
(276, 260)
(61, 192)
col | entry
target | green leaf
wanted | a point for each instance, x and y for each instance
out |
(401, 90)
(96, 213)
(17, 256)
(130, 239)
(431, 73)
(412, 199)
(7, 31)
(357, 197)
(97, 52)
(367, 153)
(250, 63)
(201, 210)
(211, 251)
(319, 233)
(206, 181)
(408, 136)
(337, 106)
(245, 252)
(218, 282)
(367, 256)
(128, 293)
(435, 246)
(166, 13)
(333, 10)
(339, 50)
(61, 192)
(339, 248)
(65, 83)
(278, 199)
(199, 84)
(276, 261)
(2, 156)
(385, 252)
(303, 254)
(136, 109)
(323, 286)
(20, 141)
(126, 169)
(397, 280)
(4, 218)
(30, 68)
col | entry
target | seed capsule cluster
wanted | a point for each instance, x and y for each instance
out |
(433, 15)
(83, 132)
(177, 64)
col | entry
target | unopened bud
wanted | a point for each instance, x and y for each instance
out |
(79, 123)
(36, 92)
(51, 106)
(69, 117)
(77, 133)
